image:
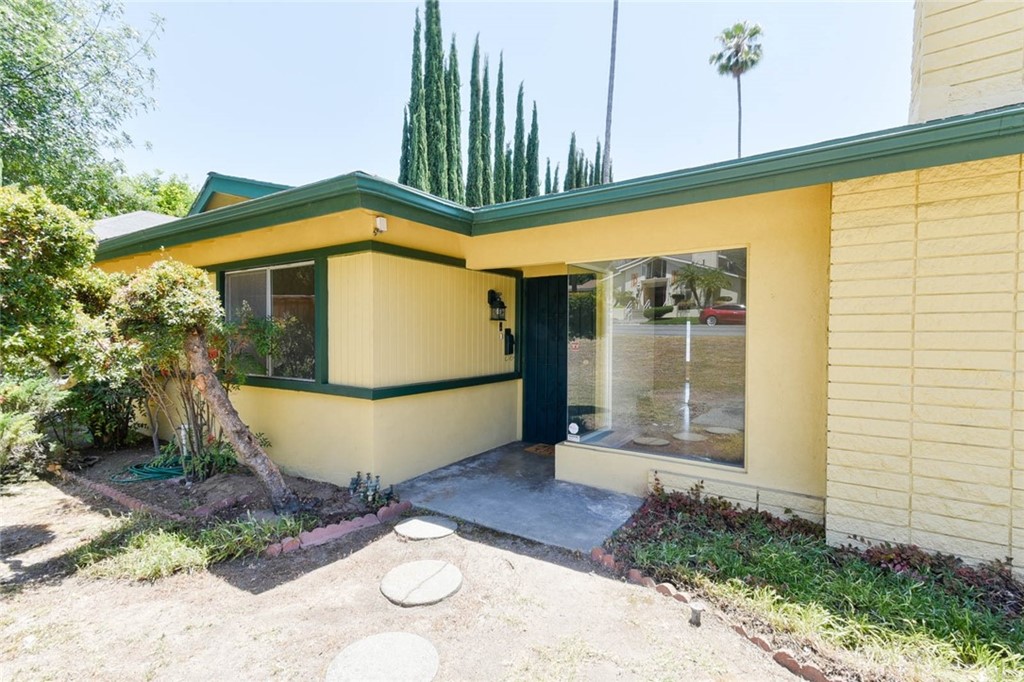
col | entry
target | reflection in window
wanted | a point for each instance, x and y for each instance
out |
(285, 295)
(657, 354)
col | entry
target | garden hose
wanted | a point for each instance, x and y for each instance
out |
(146, 472)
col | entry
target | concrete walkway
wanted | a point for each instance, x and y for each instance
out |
(514, 491)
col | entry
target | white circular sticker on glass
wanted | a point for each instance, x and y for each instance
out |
(574, 428)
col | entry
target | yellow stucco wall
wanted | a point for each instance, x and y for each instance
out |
(786, 234)
(926, 360)
(968, 57)
(220, 200)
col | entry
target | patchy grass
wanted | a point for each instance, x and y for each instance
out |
(144, 548)
(896, 607)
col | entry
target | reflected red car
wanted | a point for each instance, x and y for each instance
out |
(726, 313)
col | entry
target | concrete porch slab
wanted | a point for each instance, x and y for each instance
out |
(514, 491)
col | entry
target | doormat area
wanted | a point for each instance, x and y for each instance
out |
(542, 449)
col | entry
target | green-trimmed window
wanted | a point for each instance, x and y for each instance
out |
(284, 293)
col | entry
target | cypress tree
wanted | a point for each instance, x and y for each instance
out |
(570, 165)
(554, 182)
(486, 185)
(403, 160)
(533, 157)
(547, 178)
(473, 169)
(500, 169)
(509, 189)
(456, 190)
(519, 150)
(581, 169)
(436, 102)
(597, 165)
(418, 176)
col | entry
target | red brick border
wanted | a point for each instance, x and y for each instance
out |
(133, 503)
(607, 560)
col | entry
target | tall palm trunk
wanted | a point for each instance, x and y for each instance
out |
(247, 449)
(606, 162)
(739, 119)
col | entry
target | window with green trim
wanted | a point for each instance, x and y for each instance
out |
(285, 295)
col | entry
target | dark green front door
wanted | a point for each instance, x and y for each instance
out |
(545, 301)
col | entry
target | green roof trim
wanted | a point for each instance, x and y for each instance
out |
(970, 137)
(216, 183)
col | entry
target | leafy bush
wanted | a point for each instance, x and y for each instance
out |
(108, 411)
(582, 315)
(26, 409)
(657, 312)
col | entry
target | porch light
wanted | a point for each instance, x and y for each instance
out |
(497, 306)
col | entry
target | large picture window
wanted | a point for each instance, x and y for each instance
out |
(284, 294)
(657, 355)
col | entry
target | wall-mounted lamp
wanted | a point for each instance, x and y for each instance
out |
(380, 225)
(497, 306)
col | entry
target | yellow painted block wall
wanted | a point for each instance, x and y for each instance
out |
(968, 57)
(926, 353)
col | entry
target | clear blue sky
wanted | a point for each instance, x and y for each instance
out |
(295, 92)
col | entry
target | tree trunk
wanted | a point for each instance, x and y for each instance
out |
(739, 120)
(606, 162)
(248, 451)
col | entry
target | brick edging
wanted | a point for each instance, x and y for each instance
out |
(311, 538)
(784, 658)
(336, 531)
(133, 503)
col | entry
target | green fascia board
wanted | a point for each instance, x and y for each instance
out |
(342, 193)
(230, 184)
(958, 139)
(382, 393)
(964, 138)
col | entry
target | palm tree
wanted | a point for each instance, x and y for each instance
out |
(606, 162)
(741, 51)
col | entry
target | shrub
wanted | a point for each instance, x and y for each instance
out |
(657, 312)
(108, 411)
(26, 409)
(582, 314)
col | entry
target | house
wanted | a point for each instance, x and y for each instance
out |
(877, 385)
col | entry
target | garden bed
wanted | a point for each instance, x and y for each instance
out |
(222, 497)
(889, 612)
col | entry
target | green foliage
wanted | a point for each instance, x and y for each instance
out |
(151, 192)
(453, 86)
(703, 283)
(930, 609)
(533, 158)
(474, 169)
(162, 305)
(144, 548)
(570, 164)
(657, 311)
(47, 252)
(501, 168)
(582, 314)
(486, 169)
(418, 175)
(71, 73)
(436, 101)
(108, 410)
(741, 51)
(519, 150)
(403, 159)
(27, 408)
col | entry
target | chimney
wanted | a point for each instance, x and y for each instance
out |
(968, 57)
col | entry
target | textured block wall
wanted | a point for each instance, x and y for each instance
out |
(926, 360)
(968, 56)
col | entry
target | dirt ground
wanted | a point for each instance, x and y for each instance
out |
(525, 611)
(329, 502)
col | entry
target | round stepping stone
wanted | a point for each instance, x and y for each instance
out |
(688, 436)
(419, 583)
(384, 657)
(721, 430)
(426, 528)
(645, 440)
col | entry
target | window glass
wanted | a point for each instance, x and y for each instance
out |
(286, 295)
(657, 355)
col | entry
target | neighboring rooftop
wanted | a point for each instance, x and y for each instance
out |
(128, 223)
